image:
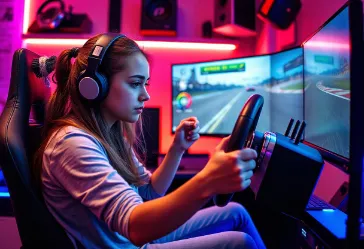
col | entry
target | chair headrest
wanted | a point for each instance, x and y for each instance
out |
(26, 90)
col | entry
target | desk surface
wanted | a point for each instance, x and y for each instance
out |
(333, 220)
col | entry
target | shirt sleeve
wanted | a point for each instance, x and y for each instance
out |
(146, 191)
(83, 169)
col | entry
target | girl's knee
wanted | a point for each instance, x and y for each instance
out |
(238, 210)
(248, 242)
(241, 240)
(236, 207)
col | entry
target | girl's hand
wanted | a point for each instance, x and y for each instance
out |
(230, 172)
(186, 133)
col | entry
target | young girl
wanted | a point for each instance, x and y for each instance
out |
(92, 179)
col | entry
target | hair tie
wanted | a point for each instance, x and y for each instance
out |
(73, 53)
(43, 66)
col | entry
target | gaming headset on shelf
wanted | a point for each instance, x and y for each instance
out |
(50, 18)
(92, 85)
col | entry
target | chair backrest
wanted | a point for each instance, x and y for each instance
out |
(21, 123)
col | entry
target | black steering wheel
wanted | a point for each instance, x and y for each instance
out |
(243, 130)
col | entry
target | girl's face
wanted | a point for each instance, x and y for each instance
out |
(127, 93)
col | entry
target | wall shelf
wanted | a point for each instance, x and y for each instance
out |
(147, 42)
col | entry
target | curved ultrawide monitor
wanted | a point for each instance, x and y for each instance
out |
(327, 87)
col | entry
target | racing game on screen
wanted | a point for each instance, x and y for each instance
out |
(215, 92)
(327, 86)
(286, 88)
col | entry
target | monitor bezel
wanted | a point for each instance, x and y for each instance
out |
(218, 135)
(339, 161)
(356, 179)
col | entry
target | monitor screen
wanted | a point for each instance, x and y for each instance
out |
(327, 85)
(286, 88)
(216, 91)
(3, 187)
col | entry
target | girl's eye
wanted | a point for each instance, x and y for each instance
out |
(136, 84)
(139, 84)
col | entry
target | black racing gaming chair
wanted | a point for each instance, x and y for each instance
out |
(19, 138)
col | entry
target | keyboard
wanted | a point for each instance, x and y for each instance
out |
(316, 203)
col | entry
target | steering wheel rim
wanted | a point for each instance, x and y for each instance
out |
(244, 127)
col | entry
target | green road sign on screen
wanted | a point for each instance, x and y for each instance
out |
(324, 59)
(223, 68)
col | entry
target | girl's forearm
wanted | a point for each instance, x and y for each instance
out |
(156, 218)
(163, 176)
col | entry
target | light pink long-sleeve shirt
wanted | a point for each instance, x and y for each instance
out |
(85, 193)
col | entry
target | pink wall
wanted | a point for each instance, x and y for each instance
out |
(313, 14)
(330, 181)
(10, 40)
(9, 235)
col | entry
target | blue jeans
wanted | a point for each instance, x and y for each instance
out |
(229, 227)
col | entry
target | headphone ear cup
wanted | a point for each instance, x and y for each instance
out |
(104, 86)
(89, 87)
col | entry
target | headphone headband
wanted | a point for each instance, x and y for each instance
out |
(98, 51)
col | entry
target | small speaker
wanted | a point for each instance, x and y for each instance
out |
(159, 18)
(340, 198)
(151, 135)
(280, 13)
(207, 29)
(235, 18)
(114, 16)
